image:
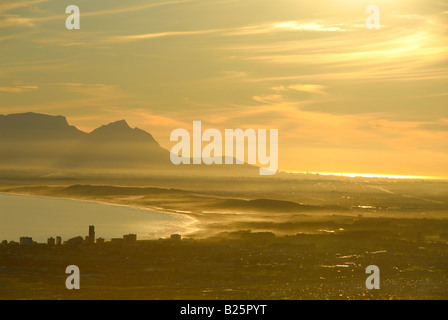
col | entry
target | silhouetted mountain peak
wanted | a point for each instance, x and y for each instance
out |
(120, 130)
(35, 118)
(122, 124)
(32, 140)
(23, 125)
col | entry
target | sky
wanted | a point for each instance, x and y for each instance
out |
(345, 99)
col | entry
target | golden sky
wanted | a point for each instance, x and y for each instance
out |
(344, 98)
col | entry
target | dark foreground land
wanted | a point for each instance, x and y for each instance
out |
(240, 265)
(282, 238)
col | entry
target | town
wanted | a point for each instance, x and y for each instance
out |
(235, 265)
(79, 240)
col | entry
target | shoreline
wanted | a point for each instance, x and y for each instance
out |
(189, 225)
(220, 214)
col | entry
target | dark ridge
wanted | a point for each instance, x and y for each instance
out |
(36, 125)
(120, 130)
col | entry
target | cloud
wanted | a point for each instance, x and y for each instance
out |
(146, 36)
(97, 94)
(15, 67)
(135, 8)
(34, 21)
(15, 20)
(372, 131)
(238, 31)
(404, 53)
(9, 37)
(7, 20)
(308, 88)
(283, 26)
(76, 96)
(309, 26)
(268, 98)
(8, 6)
(18, 89)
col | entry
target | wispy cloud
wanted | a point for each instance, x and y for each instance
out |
(282, 26)
(308, 88)
(9, 37)
(310, 26)
(96, 94)
(146, 36)
(17, 4)
(33, 65)
(15, 20)
(404, 53)
(32, 21)
(370, 130)
(135, 8)
(259, 29)
(18, 89)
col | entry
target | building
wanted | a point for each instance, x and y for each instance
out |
(26, 241)
(100, 240)
(176, 237)
(130, 237)
(51, 241)
(91, 234)
(58, 241)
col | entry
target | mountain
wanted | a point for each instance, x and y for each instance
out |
(118, 146)
(31, 140)
(44, 142)
(120, 131)
(37, 126)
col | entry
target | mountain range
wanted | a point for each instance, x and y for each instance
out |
(40, 141)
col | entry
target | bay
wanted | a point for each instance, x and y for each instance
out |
(44, 217)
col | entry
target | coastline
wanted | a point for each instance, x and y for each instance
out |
(222, 213)
(189, 226)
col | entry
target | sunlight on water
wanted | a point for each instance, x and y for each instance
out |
(369, 175)
(41, 218)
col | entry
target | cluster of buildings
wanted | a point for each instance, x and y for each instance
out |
(91, 239)
(87, 240)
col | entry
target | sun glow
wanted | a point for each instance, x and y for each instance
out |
(370, 175)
